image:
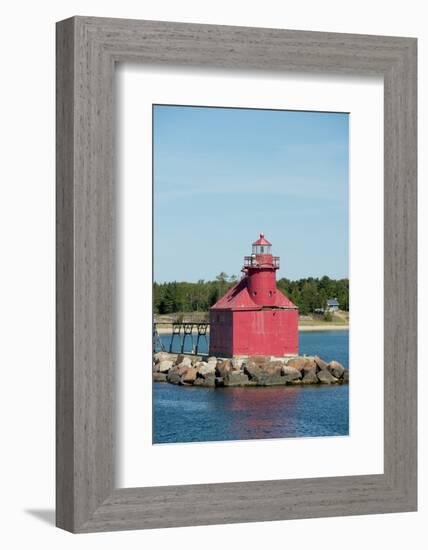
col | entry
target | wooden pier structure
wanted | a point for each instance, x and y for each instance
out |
(181, 331)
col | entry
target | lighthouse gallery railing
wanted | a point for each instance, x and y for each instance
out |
(250, 261)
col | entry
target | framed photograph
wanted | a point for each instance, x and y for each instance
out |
(236, 274)
(239, 334)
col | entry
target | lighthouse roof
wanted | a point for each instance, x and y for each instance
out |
(238, 298)
(261, 240)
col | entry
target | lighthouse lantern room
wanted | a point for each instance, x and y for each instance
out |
(254, 317)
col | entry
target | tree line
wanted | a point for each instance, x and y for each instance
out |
(308, 294)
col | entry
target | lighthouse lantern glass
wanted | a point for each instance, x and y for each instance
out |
(261, 249)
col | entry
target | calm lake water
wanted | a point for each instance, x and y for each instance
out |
(185, 413)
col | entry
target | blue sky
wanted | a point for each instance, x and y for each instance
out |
(221, 176)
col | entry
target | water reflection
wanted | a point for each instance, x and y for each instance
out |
(256, 411)
(261, 399)
(184, 414)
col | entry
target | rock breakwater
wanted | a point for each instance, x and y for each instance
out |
(253, 371)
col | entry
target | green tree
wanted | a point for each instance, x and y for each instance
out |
(308, 294)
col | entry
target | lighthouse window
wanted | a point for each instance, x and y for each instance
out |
(270, 293)
(261, 249)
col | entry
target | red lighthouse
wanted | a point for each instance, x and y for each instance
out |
(254, 317)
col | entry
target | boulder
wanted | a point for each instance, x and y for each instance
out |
(173, 376)
(237, 364)
(310, 377)
(155, 367)
(252, 370)
(181, 369)
(325, 377)
(279, 360)
(236, 378)
(336, 369)
(179, 359)
(208, 381)
(345, 377)
(214, 359)
(320, 363)
(271, 380)
(274, 366)
(161, 356)
(258, 359)
(189, 375)
(165, 365)
(219, 382)
(309, 366)
(159, 377)
(244, 364)
(211, 363)
(290, 374)
(185, 362)
(223, 367)
(264, 375)
(205, 369)
(268, 367)
(297, 363)
(303, 364)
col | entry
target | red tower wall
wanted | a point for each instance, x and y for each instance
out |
(265, 332)
(262, 286)
(221, 333)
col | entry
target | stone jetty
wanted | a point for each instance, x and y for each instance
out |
(214, 372)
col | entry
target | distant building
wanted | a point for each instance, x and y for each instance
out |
(332, 305)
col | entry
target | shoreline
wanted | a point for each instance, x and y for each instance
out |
(302, 328)
(317, 328)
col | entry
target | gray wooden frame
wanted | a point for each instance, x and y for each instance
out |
(87, 50)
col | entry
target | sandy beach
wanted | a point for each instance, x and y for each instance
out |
(314, 328)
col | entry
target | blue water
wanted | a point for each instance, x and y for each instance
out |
(186, 413)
